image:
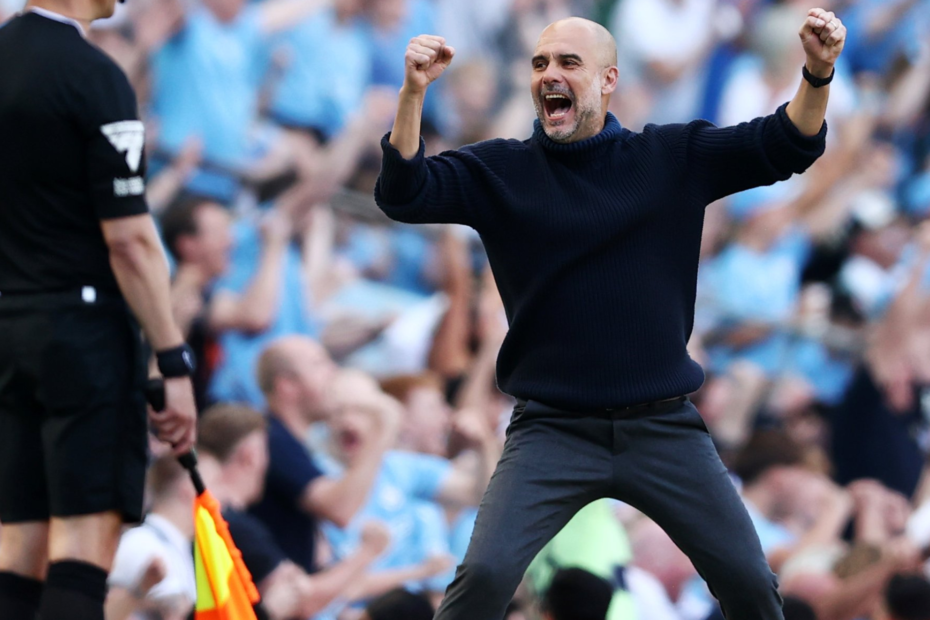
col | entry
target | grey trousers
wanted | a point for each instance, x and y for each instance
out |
(660, 460)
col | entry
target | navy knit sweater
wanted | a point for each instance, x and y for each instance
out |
(594, 244)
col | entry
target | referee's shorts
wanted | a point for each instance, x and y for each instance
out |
(73, 432)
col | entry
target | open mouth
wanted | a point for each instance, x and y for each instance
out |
(349, 440)
(557, 106)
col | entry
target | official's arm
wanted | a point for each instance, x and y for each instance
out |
(116, 170)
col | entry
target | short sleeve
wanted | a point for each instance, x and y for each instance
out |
(422, 475)
(115, 142)
(290, 469)
(136, 550)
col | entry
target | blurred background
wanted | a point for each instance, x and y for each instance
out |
(263, 125)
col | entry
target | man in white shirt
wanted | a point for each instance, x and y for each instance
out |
(165, 535)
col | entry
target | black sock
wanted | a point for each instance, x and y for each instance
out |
(19, 596)
(74, 591)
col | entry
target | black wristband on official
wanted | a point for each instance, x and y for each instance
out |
(815, 81)
(176, 362)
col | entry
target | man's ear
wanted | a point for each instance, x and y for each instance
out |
(609, 83)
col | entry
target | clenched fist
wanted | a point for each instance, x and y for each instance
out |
(823, 36)
(426, 58)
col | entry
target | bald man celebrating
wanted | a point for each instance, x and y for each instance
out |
(593, 233)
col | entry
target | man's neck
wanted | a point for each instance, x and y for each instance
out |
(73, 11)
(291, 417)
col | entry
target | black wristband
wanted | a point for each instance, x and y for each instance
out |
(815, 81)
(176, 362)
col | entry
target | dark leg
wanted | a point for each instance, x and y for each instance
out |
(670, 470)
(549, 470)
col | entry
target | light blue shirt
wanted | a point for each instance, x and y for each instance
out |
(234, 379)
(401, 498)
(771, 534)
(741, 284)
(205, 83)
(389, 47)
(328, 71)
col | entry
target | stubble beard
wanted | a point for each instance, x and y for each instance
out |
(587, 109)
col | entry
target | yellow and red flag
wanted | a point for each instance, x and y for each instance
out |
(224, 586)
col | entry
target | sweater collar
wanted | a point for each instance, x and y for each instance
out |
(612, 130)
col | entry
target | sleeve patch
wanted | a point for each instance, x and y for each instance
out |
(127, 137)
(134, 186)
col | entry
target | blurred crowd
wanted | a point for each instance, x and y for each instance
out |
(350, 419)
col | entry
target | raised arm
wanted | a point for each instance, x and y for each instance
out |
(426, 58)
(823, 36)
(717, 162)
(448, 188)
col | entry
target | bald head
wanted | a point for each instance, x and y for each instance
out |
(574, 74)
(604, 46)
(302, 367)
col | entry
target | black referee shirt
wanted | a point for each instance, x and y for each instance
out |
(71, 154)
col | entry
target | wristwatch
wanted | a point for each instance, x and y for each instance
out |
(176, 362)
(815, 81)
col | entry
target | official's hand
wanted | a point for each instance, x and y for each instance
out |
(823, 36)
(176, 425)
(426, 58)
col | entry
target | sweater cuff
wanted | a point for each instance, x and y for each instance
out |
(793, 150)
(401, 179)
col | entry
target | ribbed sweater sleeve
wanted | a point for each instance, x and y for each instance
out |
(719, 161)
(453, 187)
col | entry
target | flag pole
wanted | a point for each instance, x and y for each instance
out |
(155, 395)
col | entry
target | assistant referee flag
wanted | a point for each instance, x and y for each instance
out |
(224, 586)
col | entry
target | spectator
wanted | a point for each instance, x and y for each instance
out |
(399, 604)
(595, 541)
(207, 68)
(295, 374)
(389, 26)
(576, 594)
(406, 490)
(791, 506)
(327, 71)
(197, 232)
(233, 445)
(659, 576)
(268, 272)
(427, 419)
(674, 70)
(907, 597)
(165, 538)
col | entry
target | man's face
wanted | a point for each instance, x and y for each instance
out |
(225, 10)
(254, 453)
(387, 14)
(214, 239)
(315, 372)
(567, 83)
(350, 426)
(427, 421)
